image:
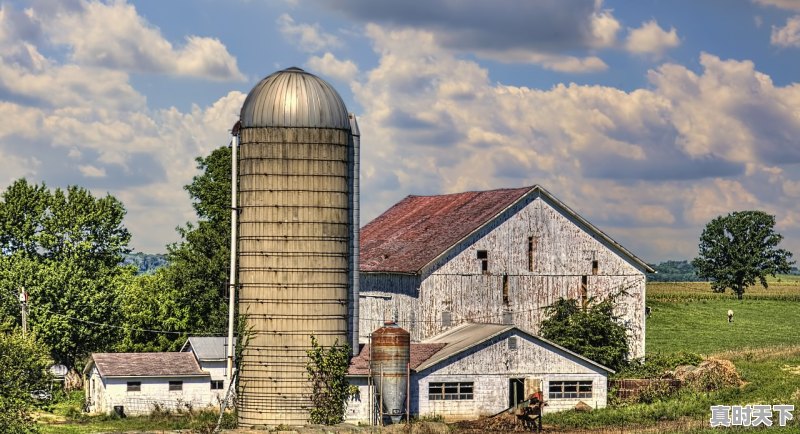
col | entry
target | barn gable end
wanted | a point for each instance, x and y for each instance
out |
(503, 270)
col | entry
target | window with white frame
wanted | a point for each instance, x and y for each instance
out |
(217, 384)
(570, 389)
(450, 391)
(133, 386)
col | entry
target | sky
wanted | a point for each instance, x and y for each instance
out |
(647, 117)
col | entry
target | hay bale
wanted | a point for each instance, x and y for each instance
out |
(712, 374)
(583, 407)
(681, 372)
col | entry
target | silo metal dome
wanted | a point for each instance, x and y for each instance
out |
(294, 98)
(297, 239)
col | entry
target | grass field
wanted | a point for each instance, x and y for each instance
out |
(690, 317)
(763, 342)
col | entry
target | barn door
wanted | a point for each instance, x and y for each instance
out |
(516, 391)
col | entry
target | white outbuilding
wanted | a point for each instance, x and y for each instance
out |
(138, 383)
(474, 370)
(211, 353)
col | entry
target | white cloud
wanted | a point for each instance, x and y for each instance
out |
(328, 65)
(555, 34)
(308, 37)
(87, 124)
(90, 171)
(433, 123)
(113, 35)
(793, 5)
(651, 39)
(604, 29)
(788, 35)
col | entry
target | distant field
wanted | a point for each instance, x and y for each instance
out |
(783, 287)
(690, 317)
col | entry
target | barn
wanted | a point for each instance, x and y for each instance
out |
(474, 370)
(435, 262)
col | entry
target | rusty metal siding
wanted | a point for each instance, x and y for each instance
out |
(563, 253)
(293, 263)
(391, 347)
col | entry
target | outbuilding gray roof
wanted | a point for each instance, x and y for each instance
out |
(208, 348)
(468, 335)
(146, 365)
(294, 98)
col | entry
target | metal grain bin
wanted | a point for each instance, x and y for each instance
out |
(295, 278)
(391, 350)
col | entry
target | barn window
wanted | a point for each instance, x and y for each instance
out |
(512, 343)
(570, 390)
(176, 385)
(508, 318)
(584, 291)
(447, 319)
(134, 386)
(505, 289)
(450, 391)
(530, 253)
(595, 267)
(217, 384)
(483, 256)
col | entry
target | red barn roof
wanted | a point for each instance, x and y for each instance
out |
(419, 353)
(418, 229)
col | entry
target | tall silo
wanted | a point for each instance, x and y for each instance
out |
(297, 185)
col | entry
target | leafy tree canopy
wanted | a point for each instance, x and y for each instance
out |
(189, 293)
(199, 263)
(23, 368)
(64, 247)
(739, 249)
(594, 332)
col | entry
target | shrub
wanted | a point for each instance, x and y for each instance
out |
(656, 364)
(23, 368)
(592, 331)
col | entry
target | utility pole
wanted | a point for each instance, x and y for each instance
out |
(232, 277)
(23, 305)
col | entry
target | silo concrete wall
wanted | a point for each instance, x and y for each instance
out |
(294, 217)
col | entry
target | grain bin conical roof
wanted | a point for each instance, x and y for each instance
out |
(294, 98)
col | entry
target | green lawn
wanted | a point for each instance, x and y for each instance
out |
(763, 342)
(702, 326)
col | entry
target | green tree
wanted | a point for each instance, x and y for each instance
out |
(327, 368)
(189, 293)
(739, 249)
(23, 368)
(198, 265)
(594, 332)
(64, 247)
(148, 303)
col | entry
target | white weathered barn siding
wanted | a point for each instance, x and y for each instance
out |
(110, 392)
(564, 250)
(358, 405)
(490, 365)
(218, 371)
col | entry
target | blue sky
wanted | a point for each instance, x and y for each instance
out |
(648, 117)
